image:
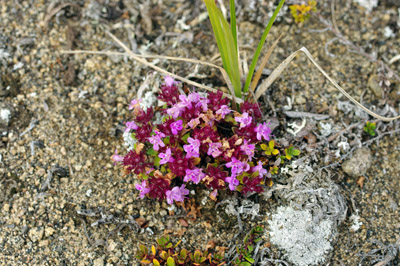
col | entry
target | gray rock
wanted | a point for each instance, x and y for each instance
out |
(359, 163)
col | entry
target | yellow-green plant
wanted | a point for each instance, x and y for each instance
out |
(302, 12)
(226, 37)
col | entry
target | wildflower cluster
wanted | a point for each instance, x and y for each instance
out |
(201, 140)
(302, 12)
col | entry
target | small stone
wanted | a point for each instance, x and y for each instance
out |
(373, 85)
(49, 231)
(98, 262)
(359, 163)
(36, 234)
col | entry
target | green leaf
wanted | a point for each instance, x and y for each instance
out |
(245, 263)
(249, 259)
(233, 22)
(185, 137)
(226, 45)
(260, 46)
(170, 261)
(151, 152)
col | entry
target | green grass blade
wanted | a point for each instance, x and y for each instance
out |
(260, 46)
(226, 45)
(233, 22)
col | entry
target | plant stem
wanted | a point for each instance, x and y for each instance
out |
(260, 46)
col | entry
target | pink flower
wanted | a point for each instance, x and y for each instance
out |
(169, 81)
(134, 103)
(117, 158)
(248, 149)
(176, 126)
(143, 189)
(263, 131)
(177, 194)
(223, 111)
(204, 104)
(174, 111)
(192, 149)
(194, 97)
(166, 157)
(194, 123)
(260, 169)
(237, 167)
(195, 175)
(157, 141)
(131, 125)
(232, 181)
(213, 149)
(244, 120)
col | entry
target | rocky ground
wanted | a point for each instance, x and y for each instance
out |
(63, 202)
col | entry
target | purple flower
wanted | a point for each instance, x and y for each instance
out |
(223, 111)
(248, 149)
(260, 169)
(232, 181)
(192, 149)
(134, 103)
(244, 120)
(143, 189)
(117, 158)
(166, 157)
(263, 131)
(174, 111)
(237, 167)
(176, 126)
(157, 141)
(195, 175)
(213, 149)
(131, 125)
(177, 194)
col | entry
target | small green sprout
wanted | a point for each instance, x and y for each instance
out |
(291, 152)
(370, 128)
(270, 149)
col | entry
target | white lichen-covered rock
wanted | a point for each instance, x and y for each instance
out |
(304, 241)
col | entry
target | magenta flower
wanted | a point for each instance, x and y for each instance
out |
(134, 103)
(131, 125)
(244, 120)
(232, 181)
(213, 149)
(176, 126)
(263, 131)
(166, 157)
(192, 149)
(260, 169)
(143, 189)
(177, 194)
(203, 103)
(156, 140)
(117, 158)
(195, 175)
(237, 167)
(223, 111)
(248, 149)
